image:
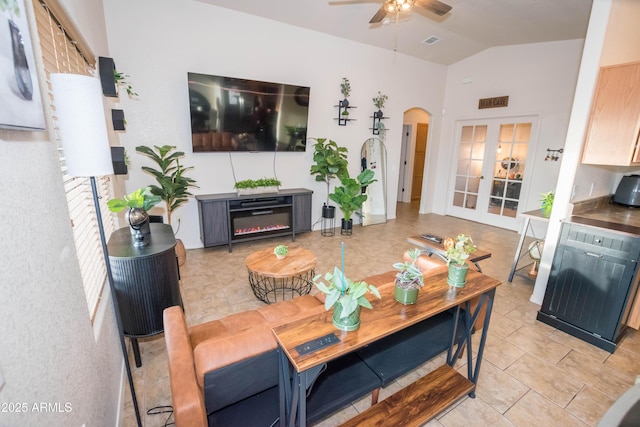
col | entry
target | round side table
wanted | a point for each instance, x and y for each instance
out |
(272, 278)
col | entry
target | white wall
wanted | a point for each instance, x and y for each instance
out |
(50, 352)
(534, 86)
(181, 36)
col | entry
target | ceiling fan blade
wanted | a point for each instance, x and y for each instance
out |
(379, 16)
(434, 6)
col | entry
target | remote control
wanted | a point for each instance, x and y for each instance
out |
(431, 237)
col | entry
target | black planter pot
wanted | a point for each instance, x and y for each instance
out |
(328, 211)
(378, 114)
(347, 227)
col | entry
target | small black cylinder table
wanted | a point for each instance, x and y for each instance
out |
(145, 281)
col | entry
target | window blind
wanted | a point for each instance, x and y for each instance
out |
(64, 51)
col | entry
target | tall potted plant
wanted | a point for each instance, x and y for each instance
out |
(330, 161)
(173, 186)
(349, 196)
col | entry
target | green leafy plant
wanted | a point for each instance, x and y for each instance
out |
(350, 294)
(121, 80)
(330, 161)
(255, 183)
(349, 196)
(409, 275)
(141, 198)
(345, 87)
(458, 249)
(547, 202)
(11, 6)
(281, 250)
(379, 100)
(173, 187)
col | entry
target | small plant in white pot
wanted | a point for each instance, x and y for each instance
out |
(409, 279)
(457, 253)
(281, 251)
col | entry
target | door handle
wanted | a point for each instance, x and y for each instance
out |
(593, 255)
(481, 177)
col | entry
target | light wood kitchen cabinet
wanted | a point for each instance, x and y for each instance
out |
(614, 125)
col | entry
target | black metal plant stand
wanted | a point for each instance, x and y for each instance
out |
(328, 221)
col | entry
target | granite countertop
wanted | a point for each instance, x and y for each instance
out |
(602, 213)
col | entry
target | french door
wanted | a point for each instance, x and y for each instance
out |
(489, 172)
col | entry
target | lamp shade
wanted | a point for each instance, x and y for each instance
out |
(81, 124)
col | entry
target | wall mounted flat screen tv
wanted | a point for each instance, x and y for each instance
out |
(231, 114)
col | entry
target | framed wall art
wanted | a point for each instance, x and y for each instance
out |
(20, 98)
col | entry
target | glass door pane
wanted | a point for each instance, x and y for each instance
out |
(509, 168)
(469, 170)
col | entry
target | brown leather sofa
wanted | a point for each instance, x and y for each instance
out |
(219, 363)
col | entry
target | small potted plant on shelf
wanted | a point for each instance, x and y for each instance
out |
(456, 253)
(345, 89)
(121, 80)
(281, 251)
(379, 101)
(547, 203)
(349, 196)
(346, 297)
(257, 186)
(409, 279)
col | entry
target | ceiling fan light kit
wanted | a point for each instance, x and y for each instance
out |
(395, 7)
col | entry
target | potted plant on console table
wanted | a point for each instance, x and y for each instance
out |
(409, 279)
(138, 204)
(173, 187)
(457, 253)
(346, 297)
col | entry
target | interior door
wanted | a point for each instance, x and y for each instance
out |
(419, 158)
(489, 173)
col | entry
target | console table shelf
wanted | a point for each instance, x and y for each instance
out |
(417, 403)
(228, 218)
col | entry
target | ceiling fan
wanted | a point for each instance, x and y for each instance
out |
(394, 7)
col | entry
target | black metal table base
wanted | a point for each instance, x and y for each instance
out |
(269, 289)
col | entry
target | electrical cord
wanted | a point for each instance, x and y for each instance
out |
(164, 409)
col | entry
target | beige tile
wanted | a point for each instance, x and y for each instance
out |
(545, 378)
(534, 340)
(590, 371)
(501, 353)
(498, 388)
(501, 326)
(625, 361)
(473, 412)
(579, 345)
(590, 405)
(534, 410)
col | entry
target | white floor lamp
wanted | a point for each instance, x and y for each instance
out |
(83, 133)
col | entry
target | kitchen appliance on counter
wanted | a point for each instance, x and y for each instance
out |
(628, 191)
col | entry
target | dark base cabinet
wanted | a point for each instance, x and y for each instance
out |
(592, 284)
(228, 218)
(145, 281)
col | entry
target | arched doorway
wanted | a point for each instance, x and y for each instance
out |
(413, 155)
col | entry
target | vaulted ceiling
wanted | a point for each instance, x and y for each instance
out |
(470, 27)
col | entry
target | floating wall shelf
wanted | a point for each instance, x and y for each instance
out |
(342, 117)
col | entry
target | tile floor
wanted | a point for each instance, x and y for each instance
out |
(532, 374)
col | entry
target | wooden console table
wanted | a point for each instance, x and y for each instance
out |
(386, 318)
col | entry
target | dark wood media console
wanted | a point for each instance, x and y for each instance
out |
(227, 218)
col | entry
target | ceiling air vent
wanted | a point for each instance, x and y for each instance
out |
(431, 40)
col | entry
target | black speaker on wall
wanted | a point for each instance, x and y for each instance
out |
(118, 160)
(117, 117)
(106, 68)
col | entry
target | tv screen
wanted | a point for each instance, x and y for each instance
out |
(231, 114)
